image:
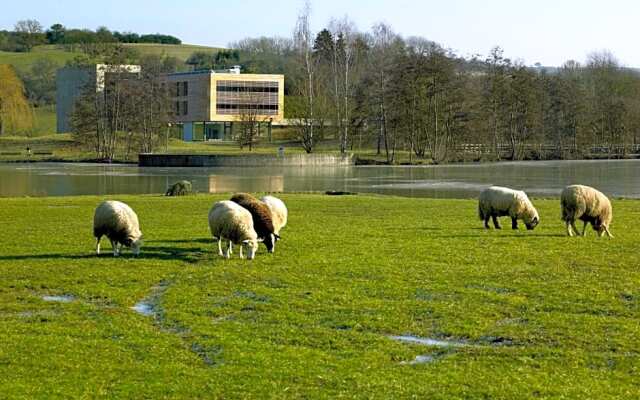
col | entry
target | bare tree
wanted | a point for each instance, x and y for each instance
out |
(344, 33)
(249, 120)
(30, 32)
(303, 43)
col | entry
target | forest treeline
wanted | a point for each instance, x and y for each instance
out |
(377, 88)
(351, 89)
(29, 33)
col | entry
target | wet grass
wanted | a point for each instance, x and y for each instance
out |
(544, 316)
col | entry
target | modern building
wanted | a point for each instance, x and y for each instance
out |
(207, 103)
(72, 81)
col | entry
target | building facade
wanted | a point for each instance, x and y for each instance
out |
(72, 81)
(214, 100)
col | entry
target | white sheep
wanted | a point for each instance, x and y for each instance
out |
(228, 220)
(588, 205)
(119, 223)
(499, 201)
(279, 212)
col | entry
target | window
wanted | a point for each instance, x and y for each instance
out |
(177, 89)
(185, 88)
(185, 108)
(177, 108)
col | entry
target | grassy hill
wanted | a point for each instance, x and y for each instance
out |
(23, 61)
(179, 51)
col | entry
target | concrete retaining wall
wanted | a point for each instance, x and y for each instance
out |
(253, 160)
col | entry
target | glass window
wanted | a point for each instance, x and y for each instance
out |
(185, 108)
(185, 88)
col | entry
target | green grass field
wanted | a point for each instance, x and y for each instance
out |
(540, 315)
(23, 61)
(179, 51)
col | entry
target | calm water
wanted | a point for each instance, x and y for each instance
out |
(542, 178)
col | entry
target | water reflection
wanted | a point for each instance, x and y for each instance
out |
(546, 178)
(234, 183)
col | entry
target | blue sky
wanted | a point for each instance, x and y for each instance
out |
(545, 31)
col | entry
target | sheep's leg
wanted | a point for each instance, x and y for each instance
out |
(240, 251)
(514, 223)
(227, 254)
(584, 229)
(496, 223)
(230, 247)
(114, 246)
(568, 224)
(486, 222)
(606, 230)
(575, 229)
(220, 247)
(98, 245)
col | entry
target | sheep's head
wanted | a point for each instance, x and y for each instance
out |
(252, 246)
(134, 243)
(532, 223)
(531, 220)
(270, 242)
(598, 226)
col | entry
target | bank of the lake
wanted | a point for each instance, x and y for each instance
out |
(526, 314)
(616, 178)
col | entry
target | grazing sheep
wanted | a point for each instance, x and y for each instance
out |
(262, 221)
(119, 223)
(180, 188)
(499, 201)
(587, 204)
(228, 220)
(279, 213)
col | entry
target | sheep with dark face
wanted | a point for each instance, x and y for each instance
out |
(262, 220)
(119, 223)
(588, 205)
(228, 220)
(180, 188)
(499, 201)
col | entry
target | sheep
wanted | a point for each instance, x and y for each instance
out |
(262, 220)
(499, 201)
(180, 188)
(279, 212)
(228, 220)
(589, 205)
(119, 223)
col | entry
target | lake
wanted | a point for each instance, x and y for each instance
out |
(617, 178)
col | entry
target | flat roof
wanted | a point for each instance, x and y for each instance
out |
(211, 71)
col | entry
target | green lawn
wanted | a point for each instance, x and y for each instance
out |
(541, 315)
(24, 61)
(179, 51)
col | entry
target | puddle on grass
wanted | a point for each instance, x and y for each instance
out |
(144, 308)
(428, 341)
(149, 305)
(59, 299)
(426, 359)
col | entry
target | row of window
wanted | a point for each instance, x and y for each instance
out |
(247, 106)
(182, 108)
(243, 89)
(182, 89)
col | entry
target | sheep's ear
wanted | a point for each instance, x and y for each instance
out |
(277, 236)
